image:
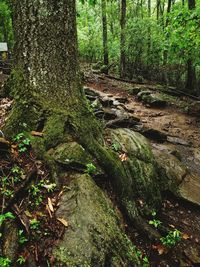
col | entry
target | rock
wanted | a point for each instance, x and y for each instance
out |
(106, 114)
(93, 237)
(177, 178)
(90, 91)
(177, 141)
(135, 90)
(153, 134)
(190, 187)
(194, 108)
(140, 164)
(153, 100)
(123, 122)
(96, 104)
(172, 171)
(73, 156)
(143, 93)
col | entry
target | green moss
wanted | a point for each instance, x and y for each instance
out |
(54, 130)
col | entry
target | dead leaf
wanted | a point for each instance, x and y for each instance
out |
(185, 236)
(160, 248)
(47, 207)
(39, 134)
(63, 221)
(123, 157)
(28, 214)
(50, 205)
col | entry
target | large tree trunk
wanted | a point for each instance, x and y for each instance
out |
(105, 36)
(49, 98)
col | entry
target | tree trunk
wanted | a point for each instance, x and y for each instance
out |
(191, 71)
(123, 40)
(105, 36)
(149, 34)
(49, 98)
(165, 53)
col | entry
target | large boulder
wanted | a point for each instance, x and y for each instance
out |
(94, 236)
(177, 178)
(139, 165)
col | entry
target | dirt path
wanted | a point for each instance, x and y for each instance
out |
(170, 119)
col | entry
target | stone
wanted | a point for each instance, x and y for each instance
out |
(189, 189)
(152, 99)
(94, 236)
(194, 109)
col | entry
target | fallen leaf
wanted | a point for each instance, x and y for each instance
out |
(47, 207)
(63, 221)
(50, 205)
(160, 248)
(28, 214)
(185, 236)
(123, 157)
(34, 133)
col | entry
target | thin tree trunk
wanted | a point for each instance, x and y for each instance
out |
(191, 71)
(165, 53)
(105, 36)
(123, 40)
(149, 33)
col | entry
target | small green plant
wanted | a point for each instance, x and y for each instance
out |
(171, 239)
(155, 223)
(23, 142)
(91, 168)
(22, 238)
(144, 260)
(34, 224)
(5, 262)
(7, 215)
(21, 260)
(116, 146)
(153, 213)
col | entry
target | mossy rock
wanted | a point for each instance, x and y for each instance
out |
(140, 165)
(172, 171)
(74, 156)
(94, 237)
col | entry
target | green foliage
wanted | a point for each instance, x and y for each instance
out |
(21, 260)
(22, 238)
(5, 262)
(6, 34)
(116, 146)
(34, 224)
(171, 239)
(155, 223)
(143, 259)
(23, 142)
(7, 215)
(91, 168)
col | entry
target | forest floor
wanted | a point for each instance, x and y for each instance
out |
(168, 127)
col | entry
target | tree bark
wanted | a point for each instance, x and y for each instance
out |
(105, 36)
(191, 71)
(123, 40)
(49, 97)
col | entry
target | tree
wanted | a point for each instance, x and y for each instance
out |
(191, 72)
(123, 39)
(105, 35)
